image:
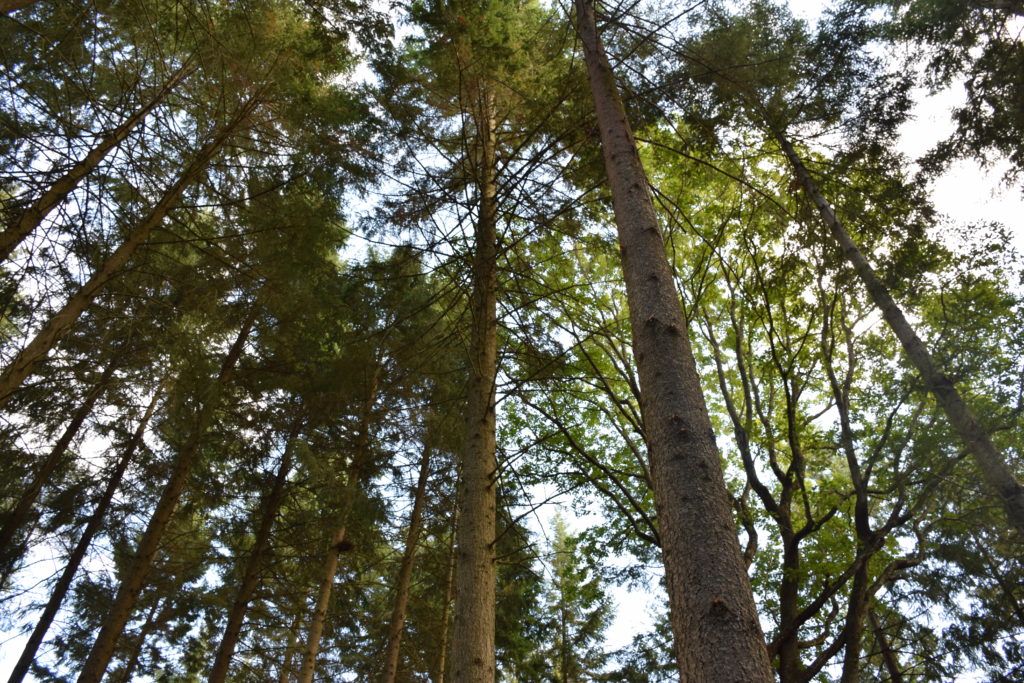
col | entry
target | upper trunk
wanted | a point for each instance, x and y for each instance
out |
(994, 470)
(145, 554)
(717, 633)
(475, 566)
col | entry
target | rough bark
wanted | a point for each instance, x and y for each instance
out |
(8, 6)
(28, 498)
(145, 554)
(714, 619)
(24, 364)
(994, 470)
(397, 624)
(360, 459)
(22, 226)
(251, 575)
(475, 564)
(60, 589)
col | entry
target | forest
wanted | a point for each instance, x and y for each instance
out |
(343, 340)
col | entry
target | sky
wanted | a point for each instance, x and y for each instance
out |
(966, 193)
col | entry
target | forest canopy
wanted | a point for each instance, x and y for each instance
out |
(346, 340)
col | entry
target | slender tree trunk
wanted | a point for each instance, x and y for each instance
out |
(29, 220)
(892, 662)
(145, 554)
(397, 625)
(360, 459)
(714, 619)
(475, 565)
(78, 554)
(8, 6)
(994, 470)
(316, 624)
(285, 674)
(789, 596)
(854, 628)
(147, 626)
(449, 595)
(42, 476)
(61, 322)
(250, 577)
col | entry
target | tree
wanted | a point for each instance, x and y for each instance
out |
(714, 619)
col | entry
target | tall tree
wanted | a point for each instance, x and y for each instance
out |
(714, 619)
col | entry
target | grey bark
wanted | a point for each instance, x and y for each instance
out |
(25, 363)
(145, 554)
(251, 575)
(60, 589)
(714, 619)
(397, 623)
(22, 226)
(472, 661)
(994, 470)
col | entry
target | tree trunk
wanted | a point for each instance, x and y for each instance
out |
(892, 662)
(473, 660)
(316, 624)
(359, 460)
(61, 322)
(23, 225)
(133, 661)
(8, 6)
(714, 619)
(855, 612)
(996, 473)
(397, 625)
(42, 476)
(250, 577)
(78, 554)
(285, 674)
(145, 554)
(449, 594)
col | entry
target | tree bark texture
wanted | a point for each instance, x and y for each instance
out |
(42, 476)
(24, 364)
(714, 619)
(29, 220)
(994, 470)
(397, 624)
(472, 660)
(145, 554)
(60, 589)
(251, 575)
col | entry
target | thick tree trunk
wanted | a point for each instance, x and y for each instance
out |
(251, 575)
(397, 625)
(996, 473)
(78, 554)
(24, 364)
(145, 554)
(8, 6)
(855, 613)
(714, 619)
(42, 476)
(473, 660)
(23, 225)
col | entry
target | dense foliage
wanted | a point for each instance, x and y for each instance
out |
(248, 253)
